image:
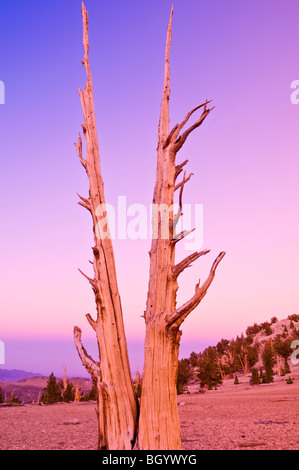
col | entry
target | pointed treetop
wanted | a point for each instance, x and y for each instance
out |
(164, 114)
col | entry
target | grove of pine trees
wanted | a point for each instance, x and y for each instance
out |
(240, 355)
(58, 391)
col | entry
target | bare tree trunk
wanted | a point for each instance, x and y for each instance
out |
(159, 426)
(117, 402)
(221, 372)
(158, 423)
(244, 363)
(278, 364)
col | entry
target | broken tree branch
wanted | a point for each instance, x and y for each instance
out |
(180, 314)
(179, 168)
(89, 363)
(93, 282)
(91, 321)
(182, 138)
(185, 263)
(173, 136)
(78, 146)
(182, 235)
(182, 183)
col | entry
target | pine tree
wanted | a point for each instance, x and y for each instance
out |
(287, 369)
(13, 399)
(255, 378)
(2, 398)
(51, 392)
(61, 385)
(138, 383)
(236, 381)
(267, 357)
(68, 394)
(92, 394)
(184, 374)
(208, 369)
(283, 348)
(193, 359)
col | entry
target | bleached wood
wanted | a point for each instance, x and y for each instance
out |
(179, 168)
(91, 366)
(180, 314)
(117, 402)
(179, 268)
(159, 427)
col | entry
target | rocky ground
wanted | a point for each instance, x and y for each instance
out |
(233, 417)
(241, 416)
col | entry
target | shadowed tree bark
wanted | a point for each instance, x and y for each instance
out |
(120, 424)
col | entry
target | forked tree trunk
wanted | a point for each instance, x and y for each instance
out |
(158, 426)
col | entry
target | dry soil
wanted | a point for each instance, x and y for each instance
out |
(233, 417)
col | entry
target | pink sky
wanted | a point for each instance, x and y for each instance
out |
(244, 157)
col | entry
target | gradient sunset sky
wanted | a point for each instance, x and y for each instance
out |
(245, 160)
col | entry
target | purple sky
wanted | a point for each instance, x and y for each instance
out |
(243, 55)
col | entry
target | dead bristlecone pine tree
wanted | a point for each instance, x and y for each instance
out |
(124, 424)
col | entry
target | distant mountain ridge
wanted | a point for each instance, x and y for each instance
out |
(29, 386)
(15, 375)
